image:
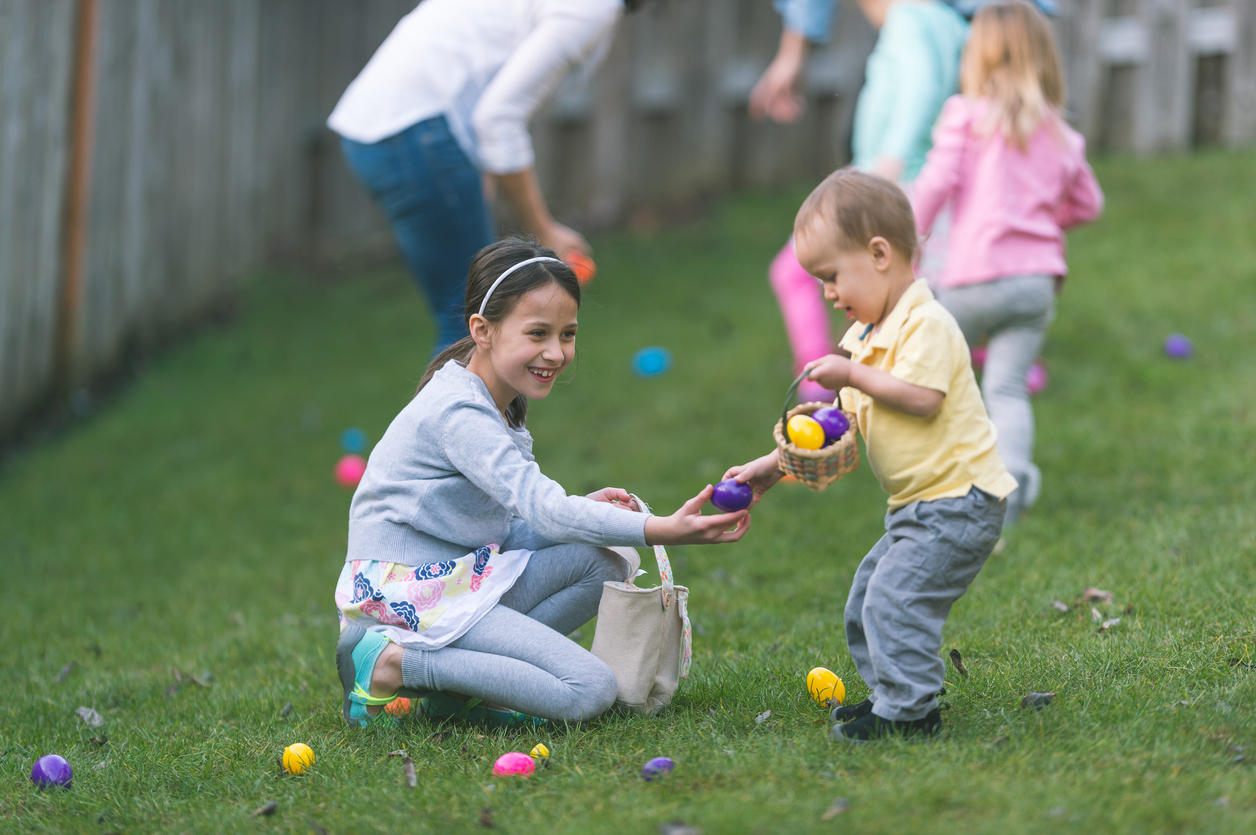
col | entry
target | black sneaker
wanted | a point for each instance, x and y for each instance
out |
(845, 713)
(870, 726)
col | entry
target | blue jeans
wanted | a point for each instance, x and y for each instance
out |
(434, 200)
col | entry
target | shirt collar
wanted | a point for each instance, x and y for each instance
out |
(915, 295)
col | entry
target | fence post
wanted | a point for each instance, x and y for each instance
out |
(78, 187)
(1241, 109)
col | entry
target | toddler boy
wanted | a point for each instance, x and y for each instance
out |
(909, 380)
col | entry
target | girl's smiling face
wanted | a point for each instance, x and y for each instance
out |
(526, 351)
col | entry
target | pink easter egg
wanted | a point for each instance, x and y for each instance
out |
(349, 471)
(1036, 379)
(514, 763)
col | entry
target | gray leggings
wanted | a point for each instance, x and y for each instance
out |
(517, 655)
(1012, 314)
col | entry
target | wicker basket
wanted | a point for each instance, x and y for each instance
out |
(816, 468)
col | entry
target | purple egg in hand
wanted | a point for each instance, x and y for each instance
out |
(832, 421)
(656, 768)
(51, 770)
(730, 496)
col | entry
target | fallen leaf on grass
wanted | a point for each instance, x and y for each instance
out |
(1059, 605)
(100, 766)
(486, 818)
(678, 828)
(837, 807)
(400, 752)
(1108, 624)
(1095, 614)
(286, 711)
(1037, 700)
(407, 767)
(958, 661)
(439, 737)
(90, 717)
(763, 717)
(205, 679)
(65, 672)
(100, 740)
(1094, 595)
(266, 811)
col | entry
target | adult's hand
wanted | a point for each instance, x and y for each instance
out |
(776, 95)
(563, 239)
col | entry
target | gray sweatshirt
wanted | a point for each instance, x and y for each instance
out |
(450, 476)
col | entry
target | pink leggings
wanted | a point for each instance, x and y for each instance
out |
(806, 315)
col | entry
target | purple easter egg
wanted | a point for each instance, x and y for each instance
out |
(730, 495)
(656, 768)
(1178, 347)
(51, 770)
(832, 421)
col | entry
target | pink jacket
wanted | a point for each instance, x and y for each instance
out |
(1011, 207)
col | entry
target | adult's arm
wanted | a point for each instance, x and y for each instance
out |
(776, 95)
(905, 39)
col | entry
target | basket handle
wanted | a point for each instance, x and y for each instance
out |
(789, 396)
(660, 557)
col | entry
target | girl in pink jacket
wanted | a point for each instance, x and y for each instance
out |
(1018, 177)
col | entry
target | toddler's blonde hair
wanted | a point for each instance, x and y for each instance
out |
(1012, 60)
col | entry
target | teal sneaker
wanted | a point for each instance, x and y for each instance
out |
(357, 650)
(439, 706)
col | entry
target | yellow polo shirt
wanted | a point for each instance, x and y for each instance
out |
(946, 454)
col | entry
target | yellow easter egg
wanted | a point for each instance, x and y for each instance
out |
(805, 432)
(539, 751)
(824, 686)
(297, 758)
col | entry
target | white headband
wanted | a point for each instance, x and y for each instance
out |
(523, 263)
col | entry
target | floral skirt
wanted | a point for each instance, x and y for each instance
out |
(426, 606)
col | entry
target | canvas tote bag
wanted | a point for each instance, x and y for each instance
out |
(644, 636)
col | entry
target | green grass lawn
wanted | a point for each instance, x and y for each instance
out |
(193, 525)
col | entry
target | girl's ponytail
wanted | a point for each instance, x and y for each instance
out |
(460, 351)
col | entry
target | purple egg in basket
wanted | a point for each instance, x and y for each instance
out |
(52, 770)
(730, 496)
(656, 768)
(832, 421)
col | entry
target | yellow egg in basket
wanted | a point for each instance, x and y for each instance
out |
(805, 432)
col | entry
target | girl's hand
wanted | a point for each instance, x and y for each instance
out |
(688, 526)
(832, 371)
(615, 496)
(761, 474)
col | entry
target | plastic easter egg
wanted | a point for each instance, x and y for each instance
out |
(824, 686)
(805, 433)
(1036, 380)
(539, 751)
(730, 495)
(353, 439)
(52, 770)
(652, 361)
(297, 758)
(656, 768)
(349, 471)
(514, 763)
(1178, 347)
(832, 421)
(581, 264)
(399, 706)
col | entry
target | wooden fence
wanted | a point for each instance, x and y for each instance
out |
(154, 151)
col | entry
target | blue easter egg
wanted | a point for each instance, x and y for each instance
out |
(652, 361)
(354, 439)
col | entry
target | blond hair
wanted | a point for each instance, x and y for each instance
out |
(1012, 60)
(856, 207)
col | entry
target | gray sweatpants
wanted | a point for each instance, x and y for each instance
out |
(1012, 314)
(518, 654)
(903, 592)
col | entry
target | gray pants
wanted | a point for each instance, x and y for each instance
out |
(1013, 314)
(517, 655)
(903, 592)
